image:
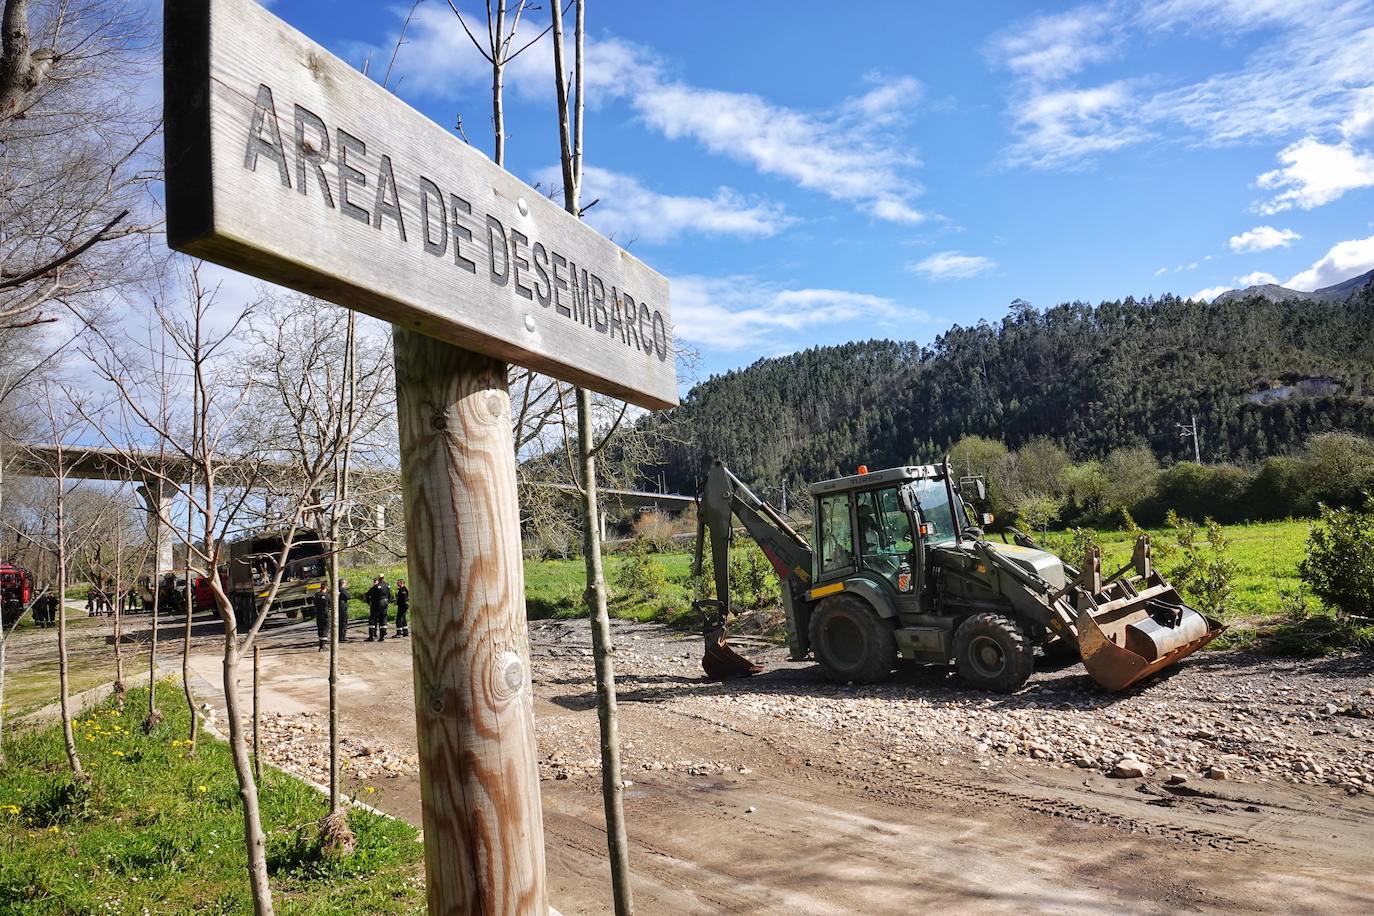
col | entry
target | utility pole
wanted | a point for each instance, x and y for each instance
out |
(1190, 430)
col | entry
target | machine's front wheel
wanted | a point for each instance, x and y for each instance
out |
(993, 653)
(852, 643)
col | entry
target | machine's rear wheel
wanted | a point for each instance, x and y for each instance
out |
(992, 653)
(852, 643)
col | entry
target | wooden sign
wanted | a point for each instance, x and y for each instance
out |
(285, 162)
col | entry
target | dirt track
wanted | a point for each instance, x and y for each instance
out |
(883, 800)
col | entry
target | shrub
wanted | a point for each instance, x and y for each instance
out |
(1197, 492)
(656, 528)
(1072, 546)
(1038, 512)
(640, 577)
(1339, 566)
(752, 580)
(1200, 567)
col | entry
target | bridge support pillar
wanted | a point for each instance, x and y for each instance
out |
(156, 496)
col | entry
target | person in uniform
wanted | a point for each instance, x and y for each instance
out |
(344, 598)
(49, 605)
(402, 608)
(378, 603)
(322, 618)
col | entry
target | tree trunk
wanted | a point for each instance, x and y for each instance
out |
(63, 678)
(194, 736)
(119, 687)
(154, 718)
(257, 714)
(254, 838)
(612, 785)
(498, 65)
(340, 496)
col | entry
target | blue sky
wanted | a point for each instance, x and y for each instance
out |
(806, 175)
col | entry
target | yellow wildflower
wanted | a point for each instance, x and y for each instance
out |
(202, 788)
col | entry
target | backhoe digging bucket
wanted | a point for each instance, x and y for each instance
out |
(719, 661)
(1128, 638)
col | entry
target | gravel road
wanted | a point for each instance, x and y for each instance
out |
(784, 793)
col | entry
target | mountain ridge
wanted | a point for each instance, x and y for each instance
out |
(1273, 292)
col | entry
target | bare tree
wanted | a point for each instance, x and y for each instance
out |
(225, 481)
(317, 409)
(61, 423)
(612, 785)
(500, 47)
(74, 158)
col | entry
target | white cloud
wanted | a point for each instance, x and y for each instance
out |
(627, 210)
(1161, 271)
(1209, 293)
(1315, 173)
(1344, 260)
(1055, 46)
(844, 154)
(732, 313)
(1309, 74)
(1361, 118)
(1258, 278)
(1058, 127)
(1262, 238)
(952, 265)
(835, 155)
(1226, 14)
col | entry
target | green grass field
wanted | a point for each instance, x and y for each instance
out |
(553, 588)
(156, 832)
(1266, 554)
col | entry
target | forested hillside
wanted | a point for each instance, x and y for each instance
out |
(1091, 378)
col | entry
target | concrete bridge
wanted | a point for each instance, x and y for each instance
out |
(88, 462)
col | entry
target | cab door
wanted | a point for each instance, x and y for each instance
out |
(835, 557)
(887, 548)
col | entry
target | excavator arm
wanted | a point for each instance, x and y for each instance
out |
(724, 497)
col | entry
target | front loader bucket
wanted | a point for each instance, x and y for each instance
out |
(1127, 640)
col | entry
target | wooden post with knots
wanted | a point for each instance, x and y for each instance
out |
(474, 706)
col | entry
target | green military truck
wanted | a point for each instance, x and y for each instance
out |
(252, 564)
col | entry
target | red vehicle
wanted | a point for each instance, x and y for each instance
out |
(16, 591)
(202, 595)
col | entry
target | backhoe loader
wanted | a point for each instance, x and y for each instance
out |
(902, 569)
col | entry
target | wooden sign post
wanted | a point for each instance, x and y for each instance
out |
(286, 163)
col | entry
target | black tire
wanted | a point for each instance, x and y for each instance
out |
(993, 653)
(851, 642)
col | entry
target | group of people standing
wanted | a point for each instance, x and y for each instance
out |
(99, 601)
(45, 610)
(378, 598)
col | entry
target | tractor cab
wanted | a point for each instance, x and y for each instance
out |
(872, 522)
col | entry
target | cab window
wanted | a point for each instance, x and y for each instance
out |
(936, 512)
(837, 541)
(885, 536)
